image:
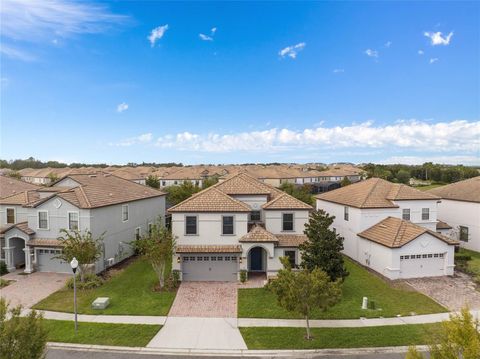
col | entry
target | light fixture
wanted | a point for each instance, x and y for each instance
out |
(240, 260)
(178, 259)
(74, 264)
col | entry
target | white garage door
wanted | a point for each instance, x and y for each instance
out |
(210, 267)
(46, 262)
(422, 265)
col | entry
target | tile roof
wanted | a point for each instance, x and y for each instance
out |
(374, 193)
(258, 234)
(44, 242)
(285, 201)
(467, 190)
(244, 184)
(210, 200)
(395, 232)
(290, 240)
(10, 186)
(22, 226)
(21, 198)
(443, 225)
(208, 249)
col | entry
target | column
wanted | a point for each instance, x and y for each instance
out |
(28, 260)
(9, 258)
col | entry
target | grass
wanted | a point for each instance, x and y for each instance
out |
(430, 186)
(391, 299)
(323, 338)
(4, 282)
(473, 265)
(131, 335)
(130, 292)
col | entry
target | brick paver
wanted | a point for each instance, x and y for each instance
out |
(29, 289)
(205, 299)
(452, 292)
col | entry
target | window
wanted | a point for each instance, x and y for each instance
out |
(345, 213)
(464, 234)
(192, 259)
(11, 215)
(206, 259)
(42, 219)
(185, 259)
(199, 259)
(227, 225)
(213, 258)
(406, 214)
(291, 255)
(191, 225)
(72, 220)
(255, 216)
(138, 233)
(425, 214)
(164, 183)
(287, 221)
(125, 212)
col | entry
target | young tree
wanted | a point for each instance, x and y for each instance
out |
(345, 181)
(153, 181)
(323, 247)
(459, 337)
(177, 194)
(304, 291)
(210, 181)
(80, 245)
(21, 337)
(52, 177)
(157, 248)
(302, 193)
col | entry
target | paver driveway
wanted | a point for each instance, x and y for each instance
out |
(205, 299)
(452, 292)
(28, 290)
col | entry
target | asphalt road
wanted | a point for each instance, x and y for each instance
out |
(70, 354)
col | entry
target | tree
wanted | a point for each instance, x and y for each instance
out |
(157, 248)
(153, 181)
(210, 181)
(177, 194)
(302, 193)
(345, 181)
(82, 246)
(323, 247)
(52, 177)
(459, 337)
(21, 336)
(14, 174)
(303, 291)
(403, 176)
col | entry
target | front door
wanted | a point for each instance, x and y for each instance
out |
(256, 259)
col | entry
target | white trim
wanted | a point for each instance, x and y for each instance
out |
(38, 220)
(128, 214)
(68, 219)
(14, 215)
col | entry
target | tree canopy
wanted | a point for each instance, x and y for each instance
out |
(303, 193)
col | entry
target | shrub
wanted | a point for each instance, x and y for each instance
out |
(3, 268)
(173, 280)
(243, 276)
(90, 281)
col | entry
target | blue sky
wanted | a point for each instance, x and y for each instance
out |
(207, 82)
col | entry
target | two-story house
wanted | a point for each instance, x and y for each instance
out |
(237, 224)
(106, 205)
(391, 228)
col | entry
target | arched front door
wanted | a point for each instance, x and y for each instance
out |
(257, 258)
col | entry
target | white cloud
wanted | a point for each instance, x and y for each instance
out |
(437, 38)
(451, 136)
(338, 71)
(292, 51)
(141, 139)
(433, 60)
(388, 44)
(15, 53)
(157, 33)
(371, 53)
(418, 160)
(208, 37)
(122, 107)
(420, 52)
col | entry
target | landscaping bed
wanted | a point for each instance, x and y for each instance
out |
(468, 262)
(132, 335)
(324, 338)
(130, 289)
(390, 299)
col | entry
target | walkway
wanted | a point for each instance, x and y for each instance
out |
(29, 289)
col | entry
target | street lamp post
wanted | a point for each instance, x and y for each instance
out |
(74, 265)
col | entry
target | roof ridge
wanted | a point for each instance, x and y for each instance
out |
(400, 231)
(391, 195)
(84, 195)
(371, 191)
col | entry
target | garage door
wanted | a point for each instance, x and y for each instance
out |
(210, 267)
(46, 262)
(422, 265)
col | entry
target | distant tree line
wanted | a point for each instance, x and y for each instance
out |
(427, 172)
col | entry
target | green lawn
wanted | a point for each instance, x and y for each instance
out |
(428, 187)
(130, 291)
(294, 338)
(392, 300)
(131, 335)
(474, 263)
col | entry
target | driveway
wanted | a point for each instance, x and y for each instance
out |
(205, 299)
(29, 289)
(452, 292)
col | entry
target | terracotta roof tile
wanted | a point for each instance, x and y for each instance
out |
(44, 242)
(467, 190)
(208, 249)
(22, 226)
(443, 225)
(285, 201)
(394, 233)
(10, 186)
(290, 240)
(258, 234)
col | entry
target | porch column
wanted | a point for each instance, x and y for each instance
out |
(9, 258)
(28, 260)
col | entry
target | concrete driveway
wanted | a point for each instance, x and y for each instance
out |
(29, 289)
(205, 299)
(452, 292)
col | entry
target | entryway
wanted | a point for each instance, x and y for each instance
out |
(257, 260)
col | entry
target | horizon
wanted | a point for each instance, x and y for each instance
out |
(213, 83)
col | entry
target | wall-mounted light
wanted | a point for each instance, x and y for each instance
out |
(240, 260)
(178, 259)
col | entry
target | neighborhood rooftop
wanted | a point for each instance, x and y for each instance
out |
(467, 190)
(10, 186)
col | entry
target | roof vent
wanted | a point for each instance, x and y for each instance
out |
(92, 176)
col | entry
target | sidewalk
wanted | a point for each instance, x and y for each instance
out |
(115, 319)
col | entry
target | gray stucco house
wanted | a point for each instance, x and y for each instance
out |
(102, 203)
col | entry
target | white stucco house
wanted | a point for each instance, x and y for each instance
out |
(390, 228)
(238, 224)
(460, 208)
(104, 204)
